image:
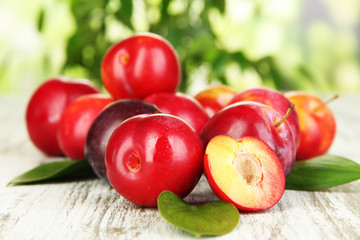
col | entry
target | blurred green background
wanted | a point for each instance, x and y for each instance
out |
(311, 45)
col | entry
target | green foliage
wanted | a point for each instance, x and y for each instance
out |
(88, 44)
(61, 170)
(322, 172)
(212, 218)
(190, 27)
(237, 42)
(189, 30)
(124, 13)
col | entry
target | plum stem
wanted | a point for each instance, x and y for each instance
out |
(325, 103)
(291, 107)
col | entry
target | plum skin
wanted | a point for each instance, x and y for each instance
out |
(274, 99)
(256, 120)
(46, 106)
(148, 154)
(317, 126)
(105, 124)
(181, 105)
(140, 65)
(76, 121)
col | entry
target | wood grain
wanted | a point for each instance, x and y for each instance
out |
(91, 209)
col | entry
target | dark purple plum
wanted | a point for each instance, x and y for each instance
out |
(104, 125)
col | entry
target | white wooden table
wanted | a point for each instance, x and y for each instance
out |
(91, 209)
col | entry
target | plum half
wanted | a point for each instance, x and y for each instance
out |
(245, 172)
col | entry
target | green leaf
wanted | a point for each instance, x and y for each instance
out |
(54, 170)
(164, 15)
(40, 21)
(219, 4)
(87, 46)
(213, 218)
(322, 172)
(125, 12)
(241, 59)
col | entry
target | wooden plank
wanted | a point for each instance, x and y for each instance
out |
(91, 209)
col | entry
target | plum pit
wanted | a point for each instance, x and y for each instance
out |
(248, 167)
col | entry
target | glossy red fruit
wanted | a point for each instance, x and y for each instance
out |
(139, 66)
(274, 99)
(256, 120)
(317, 124)
(105, 124)
(46, 106)
(148, 154)
(214, 98)
(76, 121)
(181, 105)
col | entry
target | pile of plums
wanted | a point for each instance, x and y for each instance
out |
(144, 137)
